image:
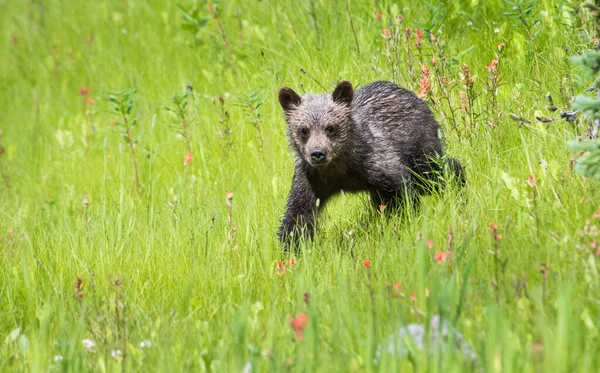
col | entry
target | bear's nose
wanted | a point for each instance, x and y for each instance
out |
(317, 155)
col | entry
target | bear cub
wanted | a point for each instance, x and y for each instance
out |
(381, 139)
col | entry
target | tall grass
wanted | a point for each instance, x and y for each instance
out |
(195, 271)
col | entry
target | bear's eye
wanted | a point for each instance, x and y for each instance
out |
(330, 130)
(304, 132)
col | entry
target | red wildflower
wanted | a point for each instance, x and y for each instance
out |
(429, 244)
(442, 256)
(418, 37)
(283, 267)
(399, 17)
(397, 289)
(382, 208)
(367, 263)
(387, 34)
(501, 47)
(90, 101)
(492, 67)
(188, 158)
(424, 83)
(531, 181)
(378, 15)
(298, 324)
(413, 297)
(84, 91)
(280, 268)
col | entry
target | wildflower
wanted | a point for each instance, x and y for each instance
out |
(429, 244)
(399, 17)
(382, 208)
(280, 268)
(90, 101)
(298, 324)
(366, 263)
(531, 181)
(378, 15)
(387, 34)
(116, 354)
(493, 67)
(424, 83)
(442, 256)
(397, 289)
(433, 61)
(494, 229)
(469, 24)
(228, 197)
(79, 291)
(86, 201)
(187, 159)
(413, 297)
(418, 37)
(89, 345)
(58, 358)
(501, 47)
(145, 344)
(496, 30)
(84, 91)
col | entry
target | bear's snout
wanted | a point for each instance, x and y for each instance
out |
(318, 156)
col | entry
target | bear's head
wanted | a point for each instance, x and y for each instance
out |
(320, 128)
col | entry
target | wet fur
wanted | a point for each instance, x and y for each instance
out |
(383, 142)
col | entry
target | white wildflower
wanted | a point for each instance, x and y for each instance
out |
(58, 358)
(145, 344)
(89, 345)
(116, 354)
(496, 30)
(247, 368)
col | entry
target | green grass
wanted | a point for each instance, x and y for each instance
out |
(208, 301)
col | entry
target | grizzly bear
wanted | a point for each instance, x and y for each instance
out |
(381, 139)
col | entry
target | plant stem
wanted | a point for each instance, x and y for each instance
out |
(223, 35)
(185, 134)
(353, 30)
(256, 125)
(135, 165)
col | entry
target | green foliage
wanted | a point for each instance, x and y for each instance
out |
(193, 21)
(590, 59)
(589, 164)
(188, 275)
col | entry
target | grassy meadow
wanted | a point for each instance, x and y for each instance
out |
(181, 271)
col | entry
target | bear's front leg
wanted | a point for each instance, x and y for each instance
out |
(301, 211)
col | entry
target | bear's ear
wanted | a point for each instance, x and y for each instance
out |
(343, 93)
(288, 99)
